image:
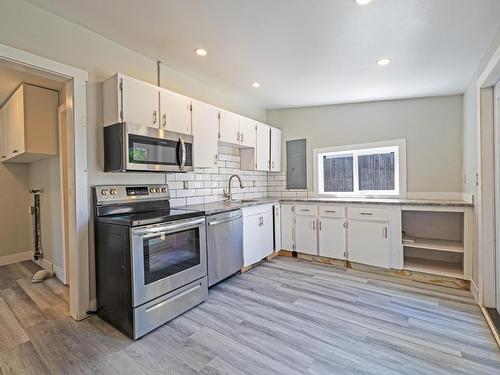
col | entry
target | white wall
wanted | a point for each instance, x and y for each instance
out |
(45, 175)
(432, 128)
(15, 220)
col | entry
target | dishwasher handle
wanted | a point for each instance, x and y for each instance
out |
(217, 222)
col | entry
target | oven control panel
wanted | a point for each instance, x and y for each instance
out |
(123, 193)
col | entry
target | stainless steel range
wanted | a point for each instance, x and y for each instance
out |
(151, 260)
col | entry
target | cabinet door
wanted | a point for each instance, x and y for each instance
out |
(205, 120)
(287, 226)
(15, 121)
(368, 243)
(251, 239)
(247, 132)
(140, 102)
(275, 149)
(277, 227)
(229, 127)
(262, 149)
(332, 237)
(4, 135)
(266, 247)
(306, 235)
(174, 109)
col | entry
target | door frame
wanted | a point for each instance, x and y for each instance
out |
(78, 192)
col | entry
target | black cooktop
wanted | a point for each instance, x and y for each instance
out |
(136, 219)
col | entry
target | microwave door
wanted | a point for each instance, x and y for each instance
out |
(152, 154)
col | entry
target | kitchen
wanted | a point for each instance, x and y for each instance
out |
(337, 220)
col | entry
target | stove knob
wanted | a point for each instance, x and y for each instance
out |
(163, 190)
(152, 190)
(158, 190)
(104, 191)
(112, 192)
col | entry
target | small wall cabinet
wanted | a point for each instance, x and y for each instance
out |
(126, 99)
(29, 125)
(267, 151)
(257, 233)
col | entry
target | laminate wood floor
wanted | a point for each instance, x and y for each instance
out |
(283, 317)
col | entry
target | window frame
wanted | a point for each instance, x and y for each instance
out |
(397, 146)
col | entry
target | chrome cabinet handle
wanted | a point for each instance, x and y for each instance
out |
(216, 158)
(164, 120)
(241, 140)
(183, 157)
(314, 224)
(366, 213)
(320, 225)
(304, 210)
(385, 232)
(330, 211)
(273, 164)
(154, 117)
(238, 136)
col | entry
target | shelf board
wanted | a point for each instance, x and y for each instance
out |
(432, 244)
(434, 267)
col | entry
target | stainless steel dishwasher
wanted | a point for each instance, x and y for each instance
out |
(224, 245)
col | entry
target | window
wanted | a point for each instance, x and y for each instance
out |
(375, 169)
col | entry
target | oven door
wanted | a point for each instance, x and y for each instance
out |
(152, 149)
(166, 257)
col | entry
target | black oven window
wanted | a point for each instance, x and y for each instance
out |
(168, 254)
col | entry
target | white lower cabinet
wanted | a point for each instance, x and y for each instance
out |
(332, 237)
(287, 227)
(306, 235)
(277, 227)
(257, 233)
(368, 242)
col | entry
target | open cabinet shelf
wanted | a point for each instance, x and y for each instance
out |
(434, 267)
(436, 244)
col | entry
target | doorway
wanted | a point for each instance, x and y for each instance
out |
(76, 196)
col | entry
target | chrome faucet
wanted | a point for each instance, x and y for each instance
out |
(227, 193)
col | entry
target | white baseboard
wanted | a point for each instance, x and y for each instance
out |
(15, 258)
(59, 272)
(475, 291)
(435, 195)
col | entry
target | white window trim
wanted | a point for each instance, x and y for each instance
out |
(399, 160)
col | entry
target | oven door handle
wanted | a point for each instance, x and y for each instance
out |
(175, 226)
(183, 156)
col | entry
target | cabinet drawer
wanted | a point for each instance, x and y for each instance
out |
(369, 213)
(331, 211)
(257, 210)
(306, 209)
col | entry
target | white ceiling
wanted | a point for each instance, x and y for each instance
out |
(303, 52)
(12, 75)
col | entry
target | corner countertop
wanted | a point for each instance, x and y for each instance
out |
(225, 206)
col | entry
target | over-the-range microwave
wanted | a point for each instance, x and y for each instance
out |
(136, 148)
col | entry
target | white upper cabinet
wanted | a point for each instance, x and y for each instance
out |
(247, 132)
(262, 160)
(174, 112)
(204, 121)
(127, 99)
(229, 127)
(29, 125)
(236, 129)
(275, 150)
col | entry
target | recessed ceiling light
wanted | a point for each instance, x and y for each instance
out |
(363, 2)
(201, 51)
(383, 61)
(256, 85)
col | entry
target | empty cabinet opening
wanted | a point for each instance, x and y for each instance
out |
(433, 242)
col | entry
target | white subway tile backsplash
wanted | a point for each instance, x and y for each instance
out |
(195, 200)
